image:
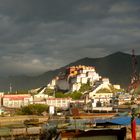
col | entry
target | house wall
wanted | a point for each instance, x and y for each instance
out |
(84, 80)
(75, 87)
(16, 101)
(58, 102)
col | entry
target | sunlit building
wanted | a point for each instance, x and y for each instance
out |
(74, 77)
(17, 100)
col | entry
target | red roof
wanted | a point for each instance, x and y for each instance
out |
(17, 97)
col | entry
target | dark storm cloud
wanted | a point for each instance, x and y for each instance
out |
(38, 35)
(52, 10)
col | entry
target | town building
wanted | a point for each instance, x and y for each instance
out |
(102, 94)
(16, 100)
(56, 102)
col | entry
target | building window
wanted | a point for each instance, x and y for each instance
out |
(63, 101)
(49, 101)
(53, 101)
(16, 104)
(59, 101)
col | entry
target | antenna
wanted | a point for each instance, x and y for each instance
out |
(10, 88)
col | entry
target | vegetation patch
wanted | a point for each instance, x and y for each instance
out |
(33, 109)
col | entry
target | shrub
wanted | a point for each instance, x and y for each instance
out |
(33, 109)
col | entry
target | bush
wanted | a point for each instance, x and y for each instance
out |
(59, 95)
(85, 87)
(76, 95)
(33, 109)
(104, 90)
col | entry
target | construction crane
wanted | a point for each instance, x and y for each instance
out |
(135, 82)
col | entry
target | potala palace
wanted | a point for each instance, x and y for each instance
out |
(73, 77)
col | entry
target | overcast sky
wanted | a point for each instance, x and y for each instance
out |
(41, 35)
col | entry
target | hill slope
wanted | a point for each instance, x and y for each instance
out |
(117, 67)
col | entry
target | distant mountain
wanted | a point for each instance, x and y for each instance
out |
(117, 67)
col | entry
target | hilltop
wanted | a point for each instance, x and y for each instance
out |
(117, 67)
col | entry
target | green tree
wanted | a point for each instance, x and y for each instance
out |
(76, 95)
(33, 109)
(85, 87)
(59, 95)
(49, 92)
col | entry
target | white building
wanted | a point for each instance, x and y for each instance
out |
(59, 102)
(76, 87)
(104, 84)
(117, 86)
(52, 84)
(74, 77)
(16, 101)
(103, 98)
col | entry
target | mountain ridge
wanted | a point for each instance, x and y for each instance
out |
(117, 67)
